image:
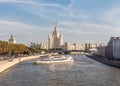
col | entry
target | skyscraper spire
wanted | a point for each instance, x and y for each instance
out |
(55, 26)
(55, 32)
(55, 41)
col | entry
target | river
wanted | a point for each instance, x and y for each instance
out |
(83, 72)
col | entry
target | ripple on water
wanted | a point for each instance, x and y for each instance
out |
(83, 72)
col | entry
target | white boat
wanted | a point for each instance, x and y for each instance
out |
(55, 60)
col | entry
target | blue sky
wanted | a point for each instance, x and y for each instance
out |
(78, 20)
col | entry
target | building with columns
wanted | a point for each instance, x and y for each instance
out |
(55, 41)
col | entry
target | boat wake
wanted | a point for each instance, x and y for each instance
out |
(55, 60)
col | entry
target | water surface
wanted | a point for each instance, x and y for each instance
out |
(83, 72)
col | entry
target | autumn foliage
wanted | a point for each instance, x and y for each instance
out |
(15, 49)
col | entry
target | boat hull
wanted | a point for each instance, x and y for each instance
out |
(53, 62)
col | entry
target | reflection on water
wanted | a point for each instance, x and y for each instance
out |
(83, 72)
(55, 67)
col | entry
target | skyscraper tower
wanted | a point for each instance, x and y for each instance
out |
(55, 40)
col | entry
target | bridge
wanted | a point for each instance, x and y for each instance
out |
(64, 51)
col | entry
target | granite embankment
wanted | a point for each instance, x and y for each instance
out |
(7, 64)
(115, 63)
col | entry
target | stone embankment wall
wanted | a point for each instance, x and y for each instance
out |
(115, 63)
(7, 64)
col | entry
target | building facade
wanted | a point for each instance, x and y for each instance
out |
(101, 51)
(91, 46)
(112, 50)
(12, 40)
(114, 47)
(43, 45)
(75, 46)
(67, 46)
(55, 40)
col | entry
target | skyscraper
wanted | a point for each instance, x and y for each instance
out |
(55, 40)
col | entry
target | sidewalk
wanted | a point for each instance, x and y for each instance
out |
(3, 62)
(7, 64)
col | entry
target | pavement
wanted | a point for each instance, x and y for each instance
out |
(3, 62)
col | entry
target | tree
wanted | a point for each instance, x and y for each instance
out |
(4, 47)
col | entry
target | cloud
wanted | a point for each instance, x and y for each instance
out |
(29, 2)
(15, 25)
(16, 1)
(41, 9)
(69, 10)
(78, 32)
(6, 25)
(86, 27)
(112, 16)
(45, 9)
(24, 33)
(73, 20)
(2, 34)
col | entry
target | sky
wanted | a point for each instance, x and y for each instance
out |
(81, 21)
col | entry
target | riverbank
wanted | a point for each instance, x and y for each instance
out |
(104, 60)
(7, 63)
